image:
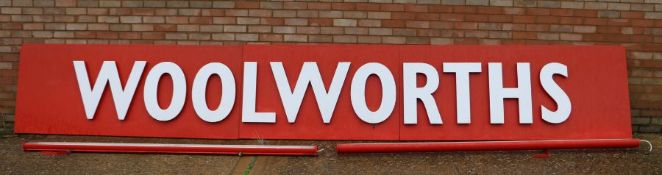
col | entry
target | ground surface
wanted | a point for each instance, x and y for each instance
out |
(635, 161)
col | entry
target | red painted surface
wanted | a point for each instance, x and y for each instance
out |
(485, 145)
(596, 84)
(91, 147)
(49, 101)
(345, 124)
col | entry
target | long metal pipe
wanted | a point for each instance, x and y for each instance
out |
(484, 145)
(93, 147)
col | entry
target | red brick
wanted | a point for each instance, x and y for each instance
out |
(416, 8)
(619, 22)
(199, 36)
(295, 38)
(344, 39)
(308, 30)
(37, 11)
(65, 3)
(296, 21)
(418, 24)
(224, 20)
(165, 12)
(451, 17)
(440, 9)
(212, 12)
(537, 11)
(200, 20)
(272, 21)
(642, 23)
(258, 29)
(392, 7)
(176, 20)
(403, 15)
(428, 32)
(259, 13)
(547, 19)
(142, 27)
(107, 35)
(524, 35)
(585, 13)
(320, 22)
(120, 11)
(319, 6)
(246, 4)
(464, 9)
(270, 37)
(369, 39)
(466, 25)
(33, 26)
(595, 21)
(427, 16)
(537, 27)
(490, 10)
(188, 12)
(295, 5)
(513, 11)
(307, 13)
(644, 38)
(97, 11)
(393, 23)
(320, 39)
(102, 27)
(470, 41)
(153, 19)
(74, 11)
(637, 15)
(367, 7)
(562, 12)
(85, 34)
(441, 25)
(343, 6)
(609, 29)
(153, 35)
(236, 12)
(369, 23)
(142, 11)
(476, 18)
(500, 18)
(165, 27)
(524, 19)
(417, 40)
(570, 20)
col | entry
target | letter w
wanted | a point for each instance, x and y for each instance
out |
(310, 74)
(108, 74)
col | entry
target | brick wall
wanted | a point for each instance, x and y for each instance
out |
(635, 24)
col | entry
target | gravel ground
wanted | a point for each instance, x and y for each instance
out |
(604, 161)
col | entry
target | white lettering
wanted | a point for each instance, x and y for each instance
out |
(564, 106)
(178, 91)
(310, 74)
(498, 93)
(122, 96)
(462, 86)
(248, 107)
(358, 93)
(412, 93)
(199, 90)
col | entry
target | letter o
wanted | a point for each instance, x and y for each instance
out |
(178, 91)
(358, 93)
(199, 90)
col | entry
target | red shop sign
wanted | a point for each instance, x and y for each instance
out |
(325, 92)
